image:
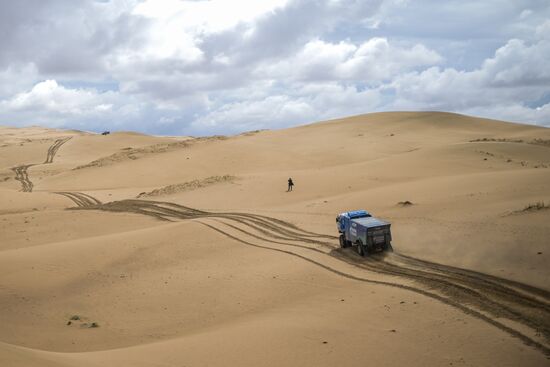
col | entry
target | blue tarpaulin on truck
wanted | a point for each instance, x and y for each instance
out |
(358, 214)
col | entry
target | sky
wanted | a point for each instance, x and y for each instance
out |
(202, 67)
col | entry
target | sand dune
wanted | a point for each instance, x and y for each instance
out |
(188, 186)
(206, 269)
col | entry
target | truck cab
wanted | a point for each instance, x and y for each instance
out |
(359, 228)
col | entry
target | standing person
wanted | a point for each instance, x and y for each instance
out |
(290, 184)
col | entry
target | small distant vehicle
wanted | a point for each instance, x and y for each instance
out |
(105, 133)
(369, 234)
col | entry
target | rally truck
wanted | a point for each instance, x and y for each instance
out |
(360, 229)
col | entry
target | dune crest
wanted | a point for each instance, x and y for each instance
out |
(188, 186)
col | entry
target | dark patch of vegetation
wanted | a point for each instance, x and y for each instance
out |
(538, 141)
(252, 132)
(499, 140)
(486, 153)
(532, 207)
(405, 203)
(540, 205)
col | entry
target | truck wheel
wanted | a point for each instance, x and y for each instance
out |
(343, 242)
(360, 249)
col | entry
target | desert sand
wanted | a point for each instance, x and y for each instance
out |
(135, 250)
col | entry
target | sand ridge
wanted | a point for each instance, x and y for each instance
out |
(188, 186)
(130, 153)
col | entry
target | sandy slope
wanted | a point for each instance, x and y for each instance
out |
(255, 276)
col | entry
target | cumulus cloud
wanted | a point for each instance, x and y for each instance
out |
(302, 103)
(516, 76)
(222, 52)
(16, 77)
(214, 66)
(275, 111)
(519, 64)
(50, 96)
(204, 16)
(63, 38)
(370, 62)
(49, 103)
(514, 111)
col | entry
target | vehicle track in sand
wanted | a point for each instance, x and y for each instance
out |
(22, 176)
(81, 199)
(521, 310)
(21, 172)
(52, 150)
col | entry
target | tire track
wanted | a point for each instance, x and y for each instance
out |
(483, 296)
(22, 176)
(81, 199)
(469, 289)
(52, 150)
(469, 311)
(518, 308)
(21, 172)
(475, 275)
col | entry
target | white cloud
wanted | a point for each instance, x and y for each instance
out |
(49, 103)
(303, 103)
(249, 115)
(515, 76)
(543, 30)
(206, 16)
(518, 63)
(514, 112)
(368, 63)
(177, 28)
(50, 96)
(225, 66)
(15, 78)
(379, 60)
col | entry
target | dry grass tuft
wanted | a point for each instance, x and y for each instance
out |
(530, 208)
(405, 203)
(540, 205)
